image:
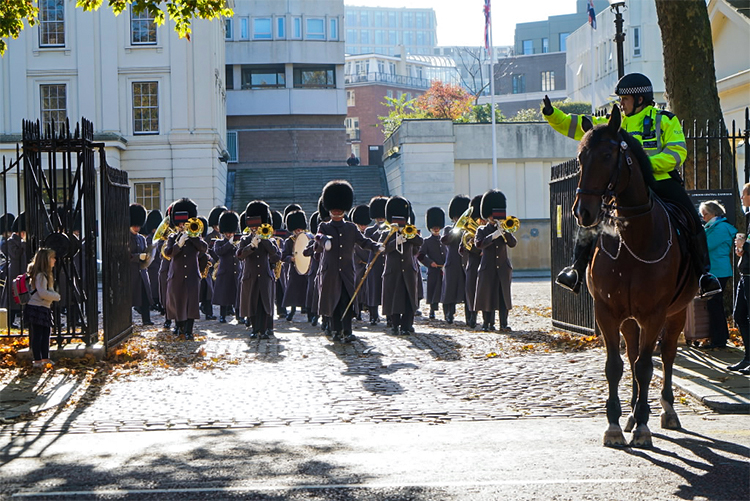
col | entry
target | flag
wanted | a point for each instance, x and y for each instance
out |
(592, 14)
(487, 27)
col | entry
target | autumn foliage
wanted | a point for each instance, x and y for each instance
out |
(444, 101)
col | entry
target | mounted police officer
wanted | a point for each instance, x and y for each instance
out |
(662, 138)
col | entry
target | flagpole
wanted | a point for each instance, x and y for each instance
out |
(593, 74)
(492, 110)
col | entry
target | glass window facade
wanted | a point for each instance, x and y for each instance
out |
(315, 77)
(142, 28)
(263, 77)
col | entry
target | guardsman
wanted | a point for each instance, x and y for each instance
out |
(311, 298)
(454, 281)
(166, 262)
(432, 255)
(360, 215)
(495, 271)
(471, 259)
(296, 284)
(153, 220)
(227, 273)
(259, 254)
(374, 282)
(139, 280)
(184, 278)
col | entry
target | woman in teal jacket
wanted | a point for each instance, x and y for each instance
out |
(720, 236)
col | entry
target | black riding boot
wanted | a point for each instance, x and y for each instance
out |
(708, 285)
(571, 277)
(189, 329)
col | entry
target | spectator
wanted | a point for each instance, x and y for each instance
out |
(352, 161)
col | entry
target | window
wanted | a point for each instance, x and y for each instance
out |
(297, 27)
(333, 33)
(563, 38)
(392, 38)
(379, 37)
(228, 29)
(262, 28)
(229, 76)
(389, 93)
(142, 28)
(351, 18)
(528, 47)
(636, 42)
(392, 20)
(148, 195)
(315, 29)
(351, 37)
(408, 38)
(364, 37)
(350, 98)
(545, 45)
(263, 77)
(145, 108)
(315, 77)
(51, 23)
(381, 66)
(232, 146)
(244, 28)
(53, 104)
(280, 27)
(364, 19)
(519, 84)
(392, 68)
(548, 80)
(379, 15)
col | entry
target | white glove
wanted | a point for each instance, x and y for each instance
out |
(381, 248)
(327, 246)
(255, 242)
(400, 239)
(182, 239)
(497, 233)
(143, 256)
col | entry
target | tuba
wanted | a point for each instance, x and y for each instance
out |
(510, 224)
(194, 227)
(469, 227)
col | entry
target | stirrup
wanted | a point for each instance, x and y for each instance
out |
(708, 285)
(570, 279)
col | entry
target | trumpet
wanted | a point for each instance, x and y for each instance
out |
(409, 231)
(469, 226)
(265, 231)
(510, 224)
(194, 227)
(163, 230)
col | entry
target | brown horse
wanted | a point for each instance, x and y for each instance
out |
(640, 282)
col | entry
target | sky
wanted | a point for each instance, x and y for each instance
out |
(461, 22)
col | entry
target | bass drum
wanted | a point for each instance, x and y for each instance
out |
(301, 262)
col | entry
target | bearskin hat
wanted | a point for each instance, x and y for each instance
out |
(361, 215)
(137, 215)
(183, 205)
(338, 194)
(290, 208)
(296, 220)
(397, 206)
(476, 207)
(205, 225)
(277, 220)
(258, 208)
(6, 222)
(412, 217)
(243, 222)
(213, 216)
(323, 214)
(19, 224)
(153, 220)
(458, 206)
(229, 222)
(314, 220)
(492, 200)
(434, 217)
(377, 207)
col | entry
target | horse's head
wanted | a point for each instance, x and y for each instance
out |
(599, 160)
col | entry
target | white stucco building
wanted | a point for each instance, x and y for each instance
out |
(157, 101)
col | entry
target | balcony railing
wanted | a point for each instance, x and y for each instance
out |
(352, 134)
(400, 80)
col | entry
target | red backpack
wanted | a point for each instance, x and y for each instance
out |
(20, 289)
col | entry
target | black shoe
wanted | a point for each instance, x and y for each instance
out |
(359, 317)
(210, 317)
(373, 321)
(147, 322)
(449, 319)
(176, 331)
(407, 330)
(505, 328)
(418, 313)
(253, 335)
(570, 279)
(347, 337)
(742, 364)
(290, 317)
(222, 319)
(167, 323)
(314, 320)
(336, 336)
(394, 331)
(708, 285)
(328, 333)
(432, 314)
(485, 327)
(745, 371)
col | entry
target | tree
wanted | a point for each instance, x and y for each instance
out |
(444, 101)
(400, 109)
(13, 13)
(481, 114)
(470, 65)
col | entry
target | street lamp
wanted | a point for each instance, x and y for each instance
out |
(615, 6)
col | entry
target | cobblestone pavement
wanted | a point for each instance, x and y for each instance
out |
(442, 373)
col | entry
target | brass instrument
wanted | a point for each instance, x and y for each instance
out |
(194, 227)
(247, 230)
(510, 224)
(204, 272)
(409, 231)
(265, 231)
(469, 226)
(163, 230)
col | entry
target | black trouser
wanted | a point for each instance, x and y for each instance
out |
(261, 317)
(39, 341)
(449, 310)
(404, 320)
(742, 312)
(145, 305)
(717, 320)
(225, 310)
(345, 324)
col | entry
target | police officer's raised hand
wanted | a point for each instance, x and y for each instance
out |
(547, 109)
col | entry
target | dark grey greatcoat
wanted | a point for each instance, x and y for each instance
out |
(454, 280)
(471, 267)
(153, 268)
(258, 281)
(432, 252)
(295, 293)
(361, 259)
(138, 277)
(374, 282)
(227, 273)
(400, 276)
(337, 264)
(313, 279)
(17, 263)
(495, 270)
(184, 278)
(163, 275)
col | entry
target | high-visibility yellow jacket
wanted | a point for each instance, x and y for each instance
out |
(658, 131)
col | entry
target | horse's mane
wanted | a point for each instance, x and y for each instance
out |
(633, 144)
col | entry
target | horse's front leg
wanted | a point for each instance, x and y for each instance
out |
(675, 324)
(644, 370)
(613, 437)
(631, 332)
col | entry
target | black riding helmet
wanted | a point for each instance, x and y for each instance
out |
(636, 85)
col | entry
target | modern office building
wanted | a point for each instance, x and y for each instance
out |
(381, 30)
(156, 101)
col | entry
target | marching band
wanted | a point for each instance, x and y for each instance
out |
(341, 261)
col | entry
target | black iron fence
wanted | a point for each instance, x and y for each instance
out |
(714, 166)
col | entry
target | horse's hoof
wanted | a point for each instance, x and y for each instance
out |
(630, 424)
(613, 437)
(641, 437)
(670, 421)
